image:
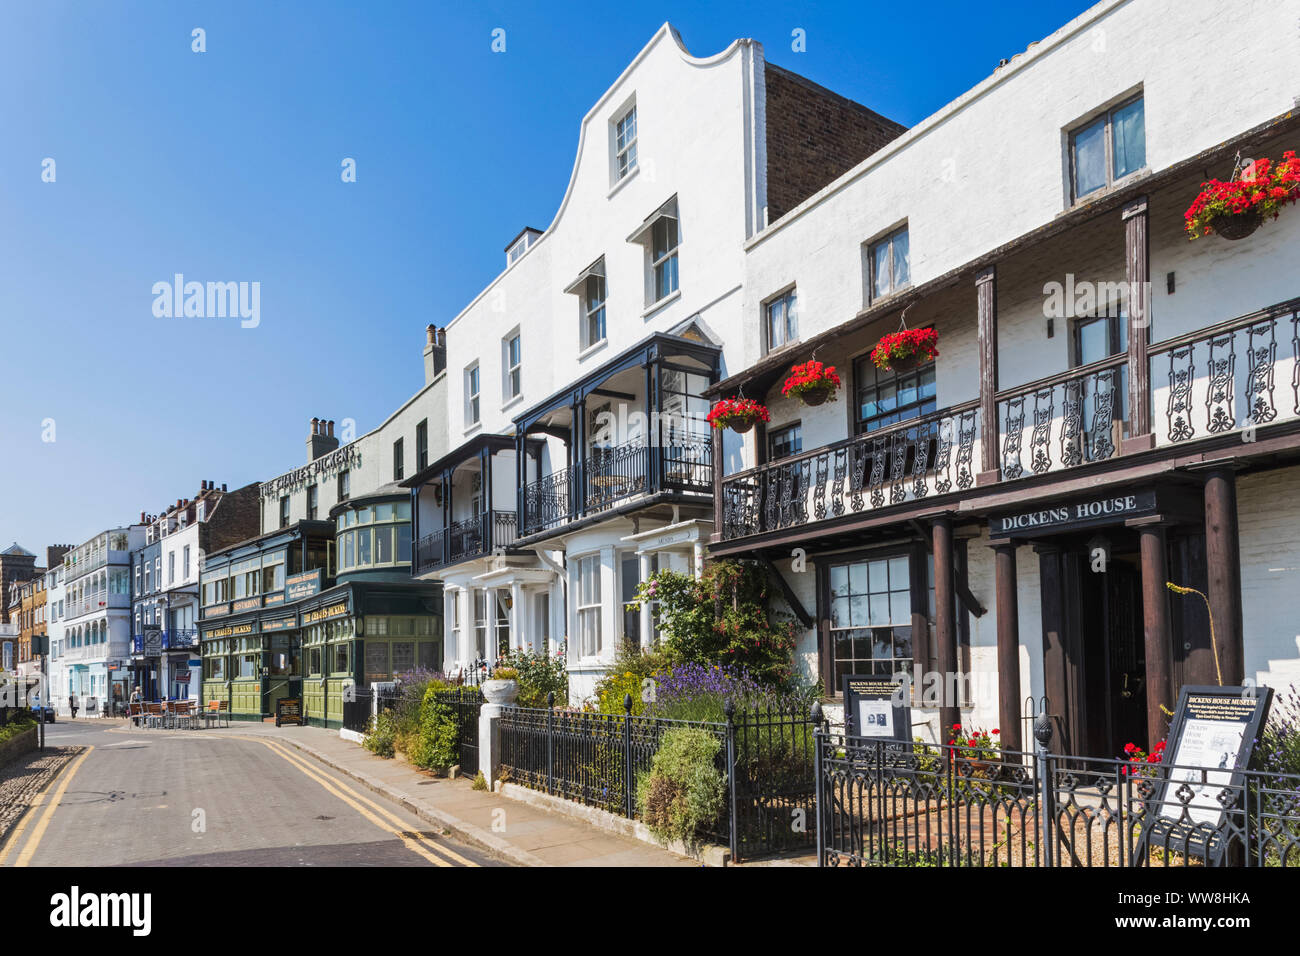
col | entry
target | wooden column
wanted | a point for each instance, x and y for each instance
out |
(1156, 636)
(945, 623)
(986, 306)
(1137, 273)
(1008, 611)
(1223, 561)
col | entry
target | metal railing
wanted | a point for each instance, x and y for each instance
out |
(886, 803)
(464, 703)
(931, 455)
(1235, 375)
(471, 538)
(1064, 420)
(596, 760)
(608, 476)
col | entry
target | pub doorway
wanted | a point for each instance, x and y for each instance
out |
(1094, 656)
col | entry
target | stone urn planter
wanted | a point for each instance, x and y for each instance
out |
(500, 691)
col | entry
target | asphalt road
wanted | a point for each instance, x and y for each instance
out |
(177, 798)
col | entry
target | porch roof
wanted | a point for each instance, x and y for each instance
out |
(660, 345)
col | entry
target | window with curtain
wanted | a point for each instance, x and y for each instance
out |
(588, 606)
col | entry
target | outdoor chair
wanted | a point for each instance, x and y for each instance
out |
(183, 715)
(154, 716)
(216, 712)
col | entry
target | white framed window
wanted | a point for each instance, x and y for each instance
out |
(890, 262)
(663, 257)
(782, 323)
(471, 395)
(186, 561)
(480, 624)
(512, 365)
(593, 311)
(588, 606)
(1107, 148)
(171, 567)
(625, 144)
(517, 250)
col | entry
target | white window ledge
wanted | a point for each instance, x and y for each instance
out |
(624, 181)
(661, 304)
(592, 349)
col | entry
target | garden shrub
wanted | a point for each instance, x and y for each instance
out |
(683, 794)
(433, 745)
(382, 739)
(632, 668)
(723, 619)
(539, 675)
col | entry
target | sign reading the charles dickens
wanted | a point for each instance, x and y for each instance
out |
(1075, 514)
(325, 613)
(301, 585)
(288, 710)
(876, 707)
(1211, 739)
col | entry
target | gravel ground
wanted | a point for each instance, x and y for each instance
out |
(27, 776)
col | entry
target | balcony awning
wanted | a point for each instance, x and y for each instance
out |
(577, 286)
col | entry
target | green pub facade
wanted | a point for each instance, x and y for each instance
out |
(315, 607)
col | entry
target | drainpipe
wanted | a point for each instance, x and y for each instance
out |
(559, 570)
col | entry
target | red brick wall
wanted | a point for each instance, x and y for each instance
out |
(814, 136)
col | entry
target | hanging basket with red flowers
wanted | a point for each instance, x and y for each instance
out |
(738, 414)
(1237, 208)
(812, 383)
(904, 350)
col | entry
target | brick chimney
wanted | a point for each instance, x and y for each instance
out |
(54, 554)
(435, 352)
(321, 441)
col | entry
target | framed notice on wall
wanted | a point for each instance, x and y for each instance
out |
(876, 707)
(1211, 740)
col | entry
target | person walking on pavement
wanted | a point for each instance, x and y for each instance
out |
(72, 705)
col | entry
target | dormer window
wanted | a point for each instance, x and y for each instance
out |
(521, 244)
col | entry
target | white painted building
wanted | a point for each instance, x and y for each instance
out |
(1014, 221)
(55, 612)
(579, 459)
(97, 621)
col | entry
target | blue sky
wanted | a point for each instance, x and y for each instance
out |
(225, 166)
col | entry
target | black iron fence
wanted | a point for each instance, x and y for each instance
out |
(596, 760)
(359, 708)
(465, 704)
(890, 803)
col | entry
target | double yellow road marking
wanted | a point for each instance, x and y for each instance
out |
(380, 816)
(415, 841)
(62, 780)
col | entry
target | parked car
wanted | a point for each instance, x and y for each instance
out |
(40, 712)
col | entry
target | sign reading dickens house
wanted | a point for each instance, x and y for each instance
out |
(876, 707)
(1076, 514)
(323, 467)
(1212, 738)
(301, 585)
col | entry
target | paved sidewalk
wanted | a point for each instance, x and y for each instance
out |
(525, 835)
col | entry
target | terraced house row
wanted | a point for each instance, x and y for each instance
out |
(1113, 406)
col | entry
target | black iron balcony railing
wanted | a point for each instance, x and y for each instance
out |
(474, 537)
(1064, 420)
(1225, 377)
(1229, 378)
(608, 476)
(934, 454)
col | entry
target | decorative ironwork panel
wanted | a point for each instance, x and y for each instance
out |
(1222, 388)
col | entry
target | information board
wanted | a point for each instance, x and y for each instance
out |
(876, 707)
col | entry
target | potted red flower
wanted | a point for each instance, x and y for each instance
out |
(905, 350)
(812, 383)
(738, 414)
(1237, 208)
